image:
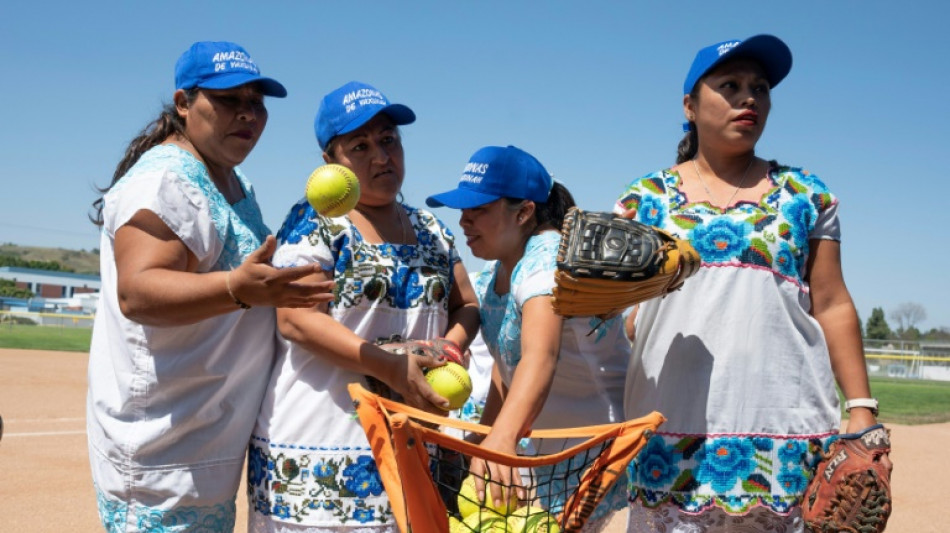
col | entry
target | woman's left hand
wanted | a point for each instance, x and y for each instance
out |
(861, 418)
(505, 480)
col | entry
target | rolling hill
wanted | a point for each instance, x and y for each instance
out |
(80, 261)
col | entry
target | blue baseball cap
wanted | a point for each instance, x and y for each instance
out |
(352, 105)
(773, 54)
(221, 65)
(494, 172)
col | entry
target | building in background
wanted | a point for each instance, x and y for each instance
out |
(54, 291)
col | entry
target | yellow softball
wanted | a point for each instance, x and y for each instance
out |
(451, 382)
(469, 504)
(532, 520)
(333, 190)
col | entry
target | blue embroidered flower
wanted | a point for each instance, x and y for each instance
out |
(362, 477)
(405, 288)
(323, 469)
(404, 252)
(363, 515)
(656, 465)
(793, 451)
(763, 443)
(298, 224)
(256, 466)
(785, 261)
(343, 261)
(724, 461)
(425, 238)
(801, 215)
(721, 240)
(651, 211)
(281, 509)
(386, 250)
(793, 479)
(261, 505)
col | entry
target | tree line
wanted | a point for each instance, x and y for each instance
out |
(905, 318)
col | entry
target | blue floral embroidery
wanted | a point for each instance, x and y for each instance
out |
(785, 261)
(256, 466)
(721, 240)
(324, 470)
(734, 473)
(363, 515)
(324, 485)
(773, 234)
(298, 224)
(651, 211)
(724, 461)
(792, 479)
(793, 451)
(362, 477)
(801, 214)
(405, 288)
(656, 465)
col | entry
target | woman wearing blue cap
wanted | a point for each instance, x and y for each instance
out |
(397, 273)
(184, 336)
(743, 359)
(549, 372)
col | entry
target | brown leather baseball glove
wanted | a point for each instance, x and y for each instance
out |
(606, 263)
(851, 490)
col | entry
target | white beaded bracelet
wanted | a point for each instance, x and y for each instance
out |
(870, 403)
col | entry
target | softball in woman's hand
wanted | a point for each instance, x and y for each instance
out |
(452, 382)
(333, 190)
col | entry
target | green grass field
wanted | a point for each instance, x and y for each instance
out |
(902, 401)
(45, 338)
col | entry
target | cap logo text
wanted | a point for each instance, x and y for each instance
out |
(235, 59)
(725, 47)
(474, 172)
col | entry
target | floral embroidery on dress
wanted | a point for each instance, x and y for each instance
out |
(404, 276)
(772, 233)
(732, 472)
(330, 486)
(211, 519)
(240, 227)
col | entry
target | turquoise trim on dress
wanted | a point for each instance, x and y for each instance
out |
(240, 227)
(115, 515)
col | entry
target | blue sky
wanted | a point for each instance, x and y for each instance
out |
(590, 88)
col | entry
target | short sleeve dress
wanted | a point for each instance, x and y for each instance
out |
(734, 359)
(589, 377)
(310, 464)
(170, 409)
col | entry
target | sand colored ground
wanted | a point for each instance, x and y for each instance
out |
(45, 485)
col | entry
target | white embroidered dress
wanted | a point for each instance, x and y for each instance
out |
(310, 466)
(170, 409)
(734, 360)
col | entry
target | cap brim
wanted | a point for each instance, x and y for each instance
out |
(773, 54)
(400, 115)
(269, 86)
(460, 199)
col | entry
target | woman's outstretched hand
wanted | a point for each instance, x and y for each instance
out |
(257, 283)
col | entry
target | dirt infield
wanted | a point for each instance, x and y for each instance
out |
(46, 485)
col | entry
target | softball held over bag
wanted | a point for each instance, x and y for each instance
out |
(606, 263)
